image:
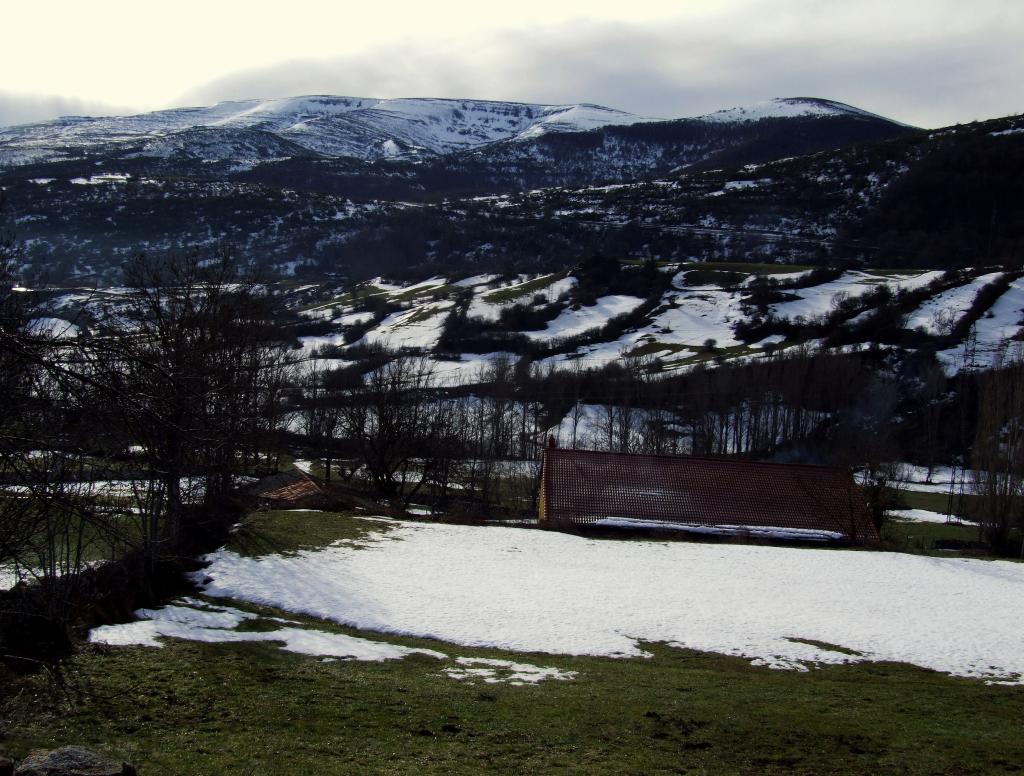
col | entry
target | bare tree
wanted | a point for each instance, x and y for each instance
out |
(391, 418)
(192, 371)
(319, 417)
(998, 452)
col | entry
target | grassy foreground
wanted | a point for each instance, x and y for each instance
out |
(192, 708)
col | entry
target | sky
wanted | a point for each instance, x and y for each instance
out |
(925, 62)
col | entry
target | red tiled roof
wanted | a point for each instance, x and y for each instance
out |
(286, 486)
(582, 486)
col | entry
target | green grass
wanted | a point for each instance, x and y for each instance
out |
(906, 536)
(104, 537)
(284, 532)
(193, 708)
(934, 502)
(249, 708)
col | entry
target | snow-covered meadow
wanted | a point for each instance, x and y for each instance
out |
(538, 591)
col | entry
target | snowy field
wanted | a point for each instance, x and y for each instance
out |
(540, 591)
(699, 314)
(470, 368)
(924, 516)
(994, 330)
(419, 327)
(685, 321)
(573, 322)
(818, 300)
(486, 305)
(949, 306)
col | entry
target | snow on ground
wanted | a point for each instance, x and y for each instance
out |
(948, 306)
(8, 578)
(740, 186)
(784, 107)
(395, 290)
(685, 322)
(312, 344)
(782, 277)
(419, 327)
(534, 591)
(994, 331)
(192, 488)
(318, 313)
(580, 118)
(818, 300)
(475, 280)
(583, 426)
(923, 516)
(756, 531)
(469, 367)
(196, 621)
(594, 426)
(593, 356)
(917, 479)
(53, 328)
(700, 314)
(493, 671)
(484, 305)
(912, 282)
(574, 322)
(353, 319)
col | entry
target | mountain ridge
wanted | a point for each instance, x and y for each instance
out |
(367, 128)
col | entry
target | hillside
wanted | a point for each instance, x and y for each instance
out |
(298, 181)
(346, 218)
(671, 316)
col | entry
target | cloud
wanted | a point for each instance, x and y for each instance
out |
(926, 62)
(24, 109)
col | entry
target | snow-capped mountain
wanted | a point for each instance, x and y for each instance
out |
(788, 107)
(369, 129)
(357, 127)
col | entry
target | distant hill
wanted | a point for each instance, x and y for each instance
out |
(307, 186)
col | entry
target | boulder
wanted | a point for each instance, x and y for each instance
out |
(72, 761)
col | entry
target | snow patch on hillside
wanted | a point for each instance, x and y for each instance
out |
(574, 322)
(418, 328)
(820, 300)
(994, 333)
(947, 308)
(485, 307)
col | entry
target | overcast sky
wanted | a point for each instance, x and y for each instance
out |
(925, 62)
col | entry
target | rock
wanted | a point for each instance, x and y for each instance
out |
(71, 761)
(6, 766)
